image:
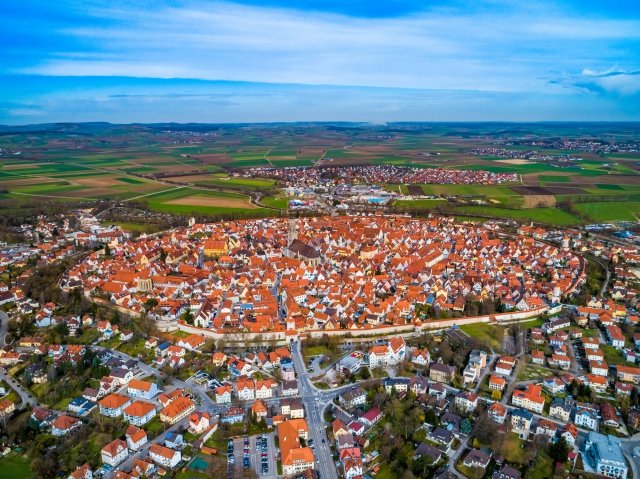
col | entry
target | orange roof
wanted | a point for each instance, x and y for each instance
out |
(290, 450)
(177, 406)
(139, 409)
(140, 385)
(162, 451)
(114, 401)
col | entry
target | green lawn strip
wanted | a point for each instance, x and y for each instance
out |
(551, 216)
(132, 181)
(610, 211)
(15, 466)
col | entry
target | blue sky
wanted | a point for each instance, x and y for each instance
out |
(282, 60)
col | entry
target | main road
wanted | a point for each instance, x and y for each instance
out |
(314, 405)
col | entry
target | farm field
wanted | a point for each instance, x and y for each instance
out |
(174, 169)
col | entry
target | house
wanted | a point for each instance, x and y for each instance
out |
(628, 374)
(609, 415)
(466, 402)
(264, 388)
(531, 398)
(177, 409)
(477, 458)
(350, 363)
(497, 413)
(83, 472)
(259, 409)
(477, 362)
(289, 388)
(353, 467)
(433, 454)
(139, 413)
(371, 417)
(199, 422)
(570, 434)
(292, 408)
(113, 405)
(603, 455)
(63, 425)
(223, 394)
(232, 415)
(586, 416)
(136, 437)
(441, 373)
(6, 408)
(353, 397)
(245, 388)
(507, 472)
(496, 383)
(173, 440)
(521, 422)
(163, 456)
(295, 458)
(80, 405)
(441, 436)
(191, 342)
(553, 385)
(421, 357)
(560, 410)
(546, 428)
(142, 389)
(398, 385)
(114, 453)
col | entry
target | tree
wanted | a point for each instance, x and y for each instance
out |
(107, 250)
(559, 451)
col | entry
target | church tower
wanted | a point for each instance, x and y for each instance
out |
(293, 231)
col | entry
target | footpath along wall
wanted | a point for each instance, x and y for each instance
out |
(283, 336)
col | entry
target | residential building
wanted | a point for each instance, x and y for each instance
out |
(602, 454)
(163, 456)
(114, 453)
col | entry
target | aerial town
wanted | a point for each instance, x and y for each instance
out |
(354, 346)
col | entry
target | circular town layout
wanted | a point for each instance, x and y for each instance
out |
(353, 273)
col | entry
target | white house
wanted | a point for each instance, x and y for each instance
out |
(163, 456)
(115, 452)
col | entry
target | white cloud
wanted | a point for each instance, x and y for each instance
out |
(500, 49)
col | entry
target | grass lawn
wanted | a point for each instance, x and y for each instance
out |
(511, 448)
(310, 351)
(550, 216)
(418, 204)
(534, 371)
(386, 472)
(281, 202)
(488, 334)
(610, 211)
(16, 467)
(611, 355)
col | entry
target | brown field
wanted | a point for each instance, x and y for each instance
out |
(20, 166)
(98, 181)
(218, 202)
(536, 201)
(514, 161)
(188, 178)
(27, 181)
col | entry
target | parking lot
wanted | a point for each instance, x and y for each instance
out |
(256, 452)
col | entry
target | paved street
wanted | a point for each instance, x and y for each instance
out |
(314, 405)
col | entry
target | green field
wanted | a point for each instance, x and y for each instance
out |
(130, 163)
(550, 216)
(610, 211)
(15, 466)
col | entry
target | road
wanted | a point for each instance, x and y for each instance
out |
(4, 326)
(314, 405)
(25, 397)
